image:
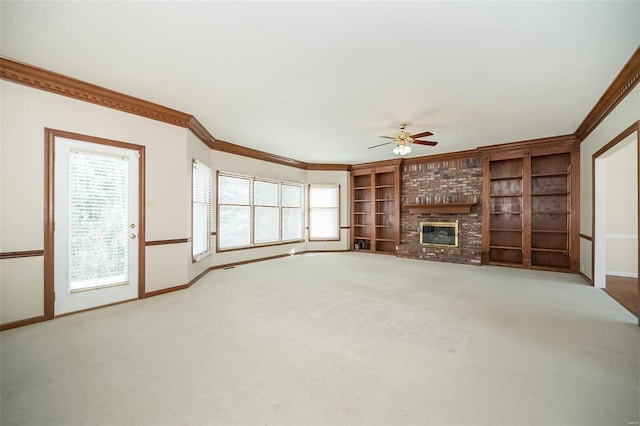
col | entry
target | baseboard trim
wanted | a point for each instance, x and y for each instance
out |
(586, 278)
(245, 262)
(95, 307)
(622, 274)
(165, 290)
(22, 323)
(41, 318)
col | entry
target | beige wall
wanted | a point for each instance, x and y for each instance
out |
(622, 209)
(624, 115)
(230, 163)
(26, 112)
(24, 115)
(342, 179)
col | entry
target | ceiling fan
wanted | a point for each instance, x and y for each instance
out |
(403, 139)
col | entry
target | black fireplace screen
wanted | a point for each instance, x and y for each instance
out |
(439, 234)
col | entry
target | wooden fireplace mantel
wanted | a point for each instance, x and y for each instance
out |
(440, 208)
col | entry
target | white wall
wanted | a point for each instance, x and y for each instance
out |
(624, 115)
(622, 209)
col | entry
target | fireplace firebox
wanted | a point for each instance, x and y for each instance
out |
(439, 234)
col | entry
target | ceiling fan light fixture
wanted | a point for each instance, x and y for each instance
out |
(402, 149)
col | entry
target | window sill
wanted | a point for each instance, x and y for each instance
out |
(255, 246)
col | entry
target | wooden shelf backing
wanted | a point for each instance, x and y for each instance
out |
(440, 208)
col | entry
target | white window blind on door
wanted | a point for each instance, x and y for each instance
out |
(201, 240)
(98, 219)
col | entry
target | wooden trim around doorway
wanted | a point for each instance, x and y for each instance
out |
(49, 219)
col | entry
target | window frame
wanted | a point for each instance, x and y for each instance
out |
(195, 257)
(336, 208)
(252, 209)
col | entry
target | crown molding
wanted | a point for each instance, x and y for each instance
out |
(42, 79)
(232, 148)
(396, 162)
(201, 133)
(38, 78)
(530, 144)
(49, 81)
(329, 167)
(459, 155)
(621, 86)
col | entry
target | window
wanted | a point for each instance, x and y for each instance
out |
(234, 211)
(266, 221)
(291, 212)
(257, 211)
(324, 212)
(201, 210)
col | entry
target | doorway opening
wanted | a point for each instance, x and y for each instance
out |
(615, 218)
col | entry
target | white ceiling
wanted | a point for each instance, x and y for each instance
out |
(319, 81)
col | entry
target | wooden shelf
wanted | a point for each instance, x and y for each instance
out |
(506, 247)
(440, 208)
(550, 250)
(380, 185)
(558, 212)
(537, 175)
(528, 196)
(549, 193)
(506, 178)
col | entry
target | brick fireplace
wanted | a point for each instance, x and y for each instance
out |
(442, 183)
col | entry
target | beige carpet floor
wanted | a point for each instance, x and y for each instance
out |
(335, 339)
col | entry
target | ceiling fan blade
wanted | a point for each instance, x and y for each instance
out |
(375, 146)
(430, 143)
(421, 135)
(386, 137)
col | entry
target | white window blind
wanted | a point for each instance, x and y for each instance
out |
(98, 219)
(256, 211)
(324, 212)
(234, 211)
(201, 238)
(266, 218)
(291, 212)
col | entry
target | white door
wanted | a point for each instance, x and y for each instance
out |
(96, 225)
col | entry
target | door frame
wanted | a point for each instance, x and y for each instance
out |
(49, 219)
(595, 159)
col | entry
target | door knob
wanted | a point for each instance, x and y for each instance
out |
(133, 236)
